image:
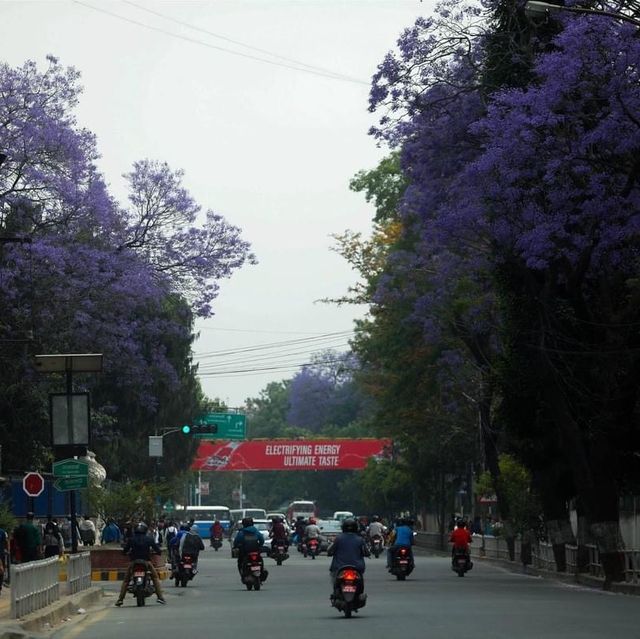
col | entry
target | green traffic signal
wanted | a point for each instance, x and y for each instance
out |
(186, 429)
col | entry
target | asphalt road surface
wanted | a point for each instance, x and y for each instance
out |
(488, 603)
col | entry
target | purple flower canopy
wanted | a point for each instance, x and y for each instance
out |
(95, 275)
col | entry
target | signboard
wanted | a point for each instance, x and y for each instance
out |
(71, 468)
(229, 426)
(204, 488)
(155, 445)
(33, 484)
(71, 483)
(281, 454)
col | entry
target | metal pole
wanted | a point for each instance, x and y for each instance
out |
(72, 494)
(241, 495)
(199, 488)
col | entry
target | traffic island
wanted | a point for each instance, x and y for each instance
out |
(109, 563)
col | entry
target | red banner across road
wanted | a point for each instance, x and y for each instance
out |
(294, 454)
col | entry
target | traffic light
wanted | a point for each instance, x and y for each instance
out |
(186, 429)
(204, 429)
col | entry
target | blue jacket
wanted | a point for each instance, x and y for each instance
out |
(404, 536)
(348, 549)
(247, 537)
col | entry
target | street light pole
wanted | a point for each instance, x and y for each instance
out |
(536, 8)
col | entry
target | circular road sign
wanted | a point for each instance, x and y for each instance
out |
(33, 484)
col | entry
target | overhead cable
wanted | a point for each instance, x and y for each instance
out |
(331, 75)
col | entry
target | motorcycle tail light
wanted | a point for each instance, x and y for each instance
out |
(403, 551)
(253, 556)
(349, 575)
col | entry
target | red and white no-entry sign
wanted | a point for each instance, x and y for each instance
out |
(33, 484)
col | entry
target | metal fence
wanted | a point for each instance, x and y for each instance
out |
(79, 572)
(542, 554)
(34, 585)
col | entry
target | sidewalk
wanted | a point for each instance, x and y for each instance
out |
(46, 619)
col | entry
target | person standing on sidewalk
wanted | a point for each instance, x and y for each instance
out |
(52, 538)
(29, 539)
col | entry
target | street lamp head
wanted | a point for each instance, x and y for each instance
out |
(536, 9)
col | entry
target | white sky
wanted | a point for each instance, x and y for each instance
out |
(270, 148)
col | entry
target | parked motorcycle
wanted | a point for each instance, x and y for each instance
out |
(141, 585)
(348, 591)
(461, 562)
(279, 551)
(313, 547)
(216, 543)
(376, 545)
(401, 563)
(184, 571)
(253, 572)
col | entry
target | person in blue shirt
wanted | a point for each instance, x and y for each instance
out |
(248, 539)
(110, 533)
(402, 535)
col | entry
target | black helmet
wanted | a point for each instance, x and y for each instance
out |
(277, 519)
(247, 521)
(462, 523)
(141, 528)
(349, 525)
(184, 527)
(375, 518)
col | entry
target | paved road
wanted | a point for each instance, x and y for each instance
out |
(489, 603)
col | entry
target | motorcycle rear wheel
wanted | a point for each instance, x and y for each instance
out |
(279, 562)
(249, 586)
(256, 586)
(184, 582)
(400, 577)
(347, 609)
(140, 598)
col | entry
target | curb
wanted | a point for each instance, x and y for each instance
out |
(118, 575)
(45, 620)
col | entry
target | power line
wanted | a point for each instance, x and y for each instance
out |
(331, 76)
(259, 347)
(266, 368)
(242, 44)
(247, 330)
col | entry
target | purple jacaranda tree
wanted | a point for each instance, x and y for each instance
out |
(535, 196)
(81, 273)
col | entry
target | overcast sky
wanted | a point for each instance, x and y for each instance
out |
(269, 147)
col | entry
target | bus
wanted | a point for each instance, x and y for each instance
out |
(301, 508)
(204, 516)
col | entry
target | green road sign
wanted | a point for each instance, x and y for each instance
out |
(168, 506)
(230, 426)
(71, 468)
(71, 483)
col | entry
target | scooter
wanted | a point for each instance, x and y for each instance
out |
(279, 552)
(376, 545)
(141, 585)
(460, 561)
(348, 591)
(313, 547)
(253, 572)
(185, 571)
(401, 563)
(216, 543)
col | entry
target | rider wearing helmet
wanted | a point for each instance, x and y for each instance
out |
(348, 549)
(300, 524)
(312, 531)
(278, 532)
(139, 547)
(248, 539)
(401, 536)
(460, 537)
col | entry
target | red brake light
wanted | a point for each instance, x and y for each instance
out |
(253, 556)
(403, 551)
(349, 575)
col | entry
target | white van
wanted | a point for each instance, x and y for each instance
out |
(240, 513)
(340, 515)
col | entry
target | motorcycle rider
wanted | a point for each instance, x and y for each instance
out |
(216, 531)
(300, 526)
(347, 549)
(249, 539)
(376, 528)
(138, 547)
(401, 536)
(460, 537)
(278, 533)
(190, 544)
(312, 531)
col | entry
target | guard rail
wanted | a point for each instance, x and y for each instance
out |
(34, 585)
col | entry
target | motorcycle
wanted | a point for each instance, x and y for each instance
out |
(461, 562)
(185, 570)
(302, 548)
(216, 543)
(141, 585)
(279, 551)
(376, 545)
(348, 591)
(401, 563)
(253, 572)
(313, 547)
